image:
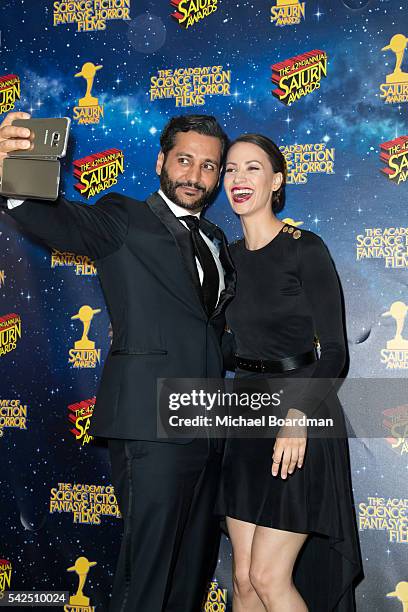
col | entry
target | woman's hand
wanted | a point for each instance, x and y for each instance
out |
(290, 446)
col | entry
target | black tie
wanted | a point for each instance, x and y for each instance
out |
(211, 279)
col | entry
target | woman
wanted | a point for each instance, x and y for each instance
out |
(288, 501)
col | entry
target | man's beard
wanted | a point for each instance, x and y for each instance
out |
(169, 189)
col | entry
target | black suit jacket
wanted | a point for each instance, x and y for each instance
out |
(146, 267)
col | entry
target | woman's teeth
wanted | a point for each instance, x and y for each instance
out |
(241, 195)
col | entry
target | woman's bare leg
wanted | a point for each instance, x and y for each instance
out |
(245, 598)
(274, 553)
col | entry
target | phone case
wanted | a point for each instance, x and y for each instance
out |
(36, 173)
(30, 178)
(49, 137)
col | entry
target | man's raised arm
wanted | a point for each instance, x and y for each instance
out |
(94, 230)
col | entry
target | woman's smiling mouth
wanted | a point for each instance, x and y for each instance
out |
(241, 194)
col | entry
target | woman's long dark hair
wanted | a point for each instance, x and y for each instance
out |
(276, 159)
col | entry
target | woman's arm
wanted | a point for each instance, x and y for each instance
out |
(321, 286)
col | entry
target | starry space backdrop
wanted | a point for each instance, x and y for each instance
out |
(346, 113)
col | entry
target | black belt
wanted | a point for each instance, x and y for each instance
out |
(278, 365)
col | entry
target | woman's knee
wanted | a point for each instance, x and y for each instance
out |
(241, 581)
(269, 582)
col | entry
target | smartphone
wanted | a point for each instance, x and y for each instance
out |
(30, 178)
(35, 172)
(49, 137)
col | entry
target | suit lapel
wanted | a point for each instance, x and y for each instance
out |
(182, 240)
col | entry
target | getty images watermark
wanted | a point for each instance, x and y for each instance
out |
(200, 399)
(244, 408)
(263, 407)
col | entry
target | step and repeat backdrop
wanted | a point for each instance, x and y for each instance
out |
(327, 80)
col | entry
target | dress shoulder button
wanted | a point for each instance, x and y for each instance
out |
(297, 234)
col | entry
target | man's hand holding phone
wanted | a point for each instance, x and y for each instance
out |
(30, 150)
(13, 138)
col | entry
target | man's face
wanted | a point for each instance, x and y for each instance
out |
(191, 170)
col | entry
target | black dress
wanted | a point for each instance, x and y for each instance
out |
(287, 293)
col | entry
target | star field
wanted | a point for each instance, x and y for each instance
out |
(346, 113)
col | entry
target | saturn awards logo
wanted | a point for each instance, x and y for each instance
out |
(9, 92)
(84, 354)
(394, 154)
(290, 221)
(401, 593)
(98, 172)
(80, 602)
(88, 110)
(395, 88)
(287, 12)
(10, 332)
(298, 76)
(5, 575)
(396, 423)
(189, 12)
(79, 416)
(395, 356)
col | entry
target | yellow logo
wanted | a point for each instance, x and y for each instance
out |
(189, 12)
(298, 76)
(396, 353)
(396, 422)
(12, 414)
(9, 92)
(79, 416)
(401, 591)
(5, 575)
(10, 332)
(98, 171)
(395, 154)
(385, 514)
(88, 110)
(79, 602)
(290, 221)
(216, 598)
(389, 244)
(395, 89)
(86, 502)
(305, 159)
(83, 265)
(84, 354)
(189, 86)
(90, 15)
(287, 12)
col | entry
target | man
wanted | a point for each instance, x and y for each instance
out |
(166, 285)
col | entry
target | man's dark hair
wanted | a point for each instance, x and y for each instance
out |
(202, 124)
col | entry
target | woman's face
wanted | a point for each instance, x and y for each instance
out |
(249, 179)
